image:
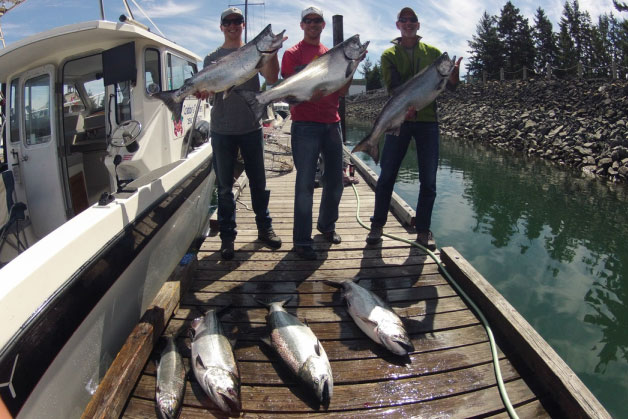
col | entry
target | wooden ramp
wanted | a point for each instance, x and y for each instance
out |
(450, 373)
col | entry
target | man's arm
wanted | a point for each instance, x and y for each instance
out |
(454, 77)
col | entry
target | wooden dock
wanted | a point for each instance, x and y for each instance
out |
(450, 373)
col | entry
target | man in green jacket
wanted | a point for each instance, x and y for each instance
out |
(399, 63)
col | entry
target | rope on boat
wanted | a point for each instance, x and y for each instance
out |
(498, 374)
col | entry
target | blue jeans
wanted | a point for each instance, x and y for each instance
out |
(309, 139)
(395, 147)
(225, 149)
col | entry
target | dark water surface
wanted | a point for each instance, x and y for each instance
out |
(552, 242)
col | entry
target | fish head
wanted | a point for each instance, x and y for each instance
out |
(353, 49)
(395, 338)
(223, 388)
(444, 65)
(168, 406)
(267, 42)
(316, 374)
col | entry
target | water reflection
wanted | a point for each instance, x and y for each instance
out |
(550, 240)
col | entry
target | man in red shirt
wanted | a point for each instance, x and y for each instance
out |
(315, 130)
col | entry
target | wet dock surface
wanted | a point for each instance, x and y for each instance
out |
(450, 373)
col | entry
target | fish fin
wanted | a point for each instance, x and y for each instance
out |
(267, 342)
(255, 105)
(368, 321)
(168, 98)
(370, 149)
(332, 283)
(350, 69)
(221, 310)
(199, 361)
(317, 347)
(227, 92)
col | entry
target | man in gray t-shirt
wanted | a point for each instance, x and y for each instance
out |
(233, 128)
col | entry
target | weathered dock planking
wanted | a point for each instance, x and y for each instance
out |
(450, 373)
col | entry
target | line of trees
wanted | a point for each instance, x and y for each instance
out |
(508, 41)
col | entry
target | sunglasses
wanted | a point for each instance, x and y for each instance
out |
(308, 20)
(234, 21)
(408, 19)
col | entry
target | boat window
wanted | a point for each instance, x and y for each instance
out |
(13, 110)
(84, 101)
(37, 110)
(152, 73)
(178, 71)
(123, 101)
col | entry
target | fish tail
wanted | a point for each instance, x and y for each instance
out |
(168, 98)
(370, 149)
(269, 303)
(252, 99)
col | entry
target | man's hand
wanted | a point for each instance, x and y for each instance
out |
(411, 114)
(203, 94)
(454, 77)
(318, 95)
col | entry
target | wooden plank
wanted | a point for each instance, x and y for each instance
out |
(110, 397)
(552, 372)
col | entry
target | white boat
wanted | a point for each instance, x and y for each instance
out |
(114, 196)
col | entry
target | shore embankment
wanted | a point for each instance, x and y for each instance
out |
(576, 123)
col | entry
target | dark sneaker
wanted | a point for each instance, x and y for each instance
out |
(270, 238)
(332, 237)
(375, 235)
(425, 239)
(305, 252)
(226, 250)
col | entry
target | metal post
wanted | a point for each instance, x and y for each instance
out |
(483, 76)
(102, 10)
(338, 33)
(501, 74)
(614, 69)
(548, 71)
(580, 70)
(246, 23)
(525, 73)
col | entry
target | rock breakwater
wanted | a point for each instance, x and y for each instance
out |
(577, 123)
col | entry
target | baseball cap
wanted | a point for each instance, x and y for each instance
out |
(231, 11)
(312, 10)
(406, 10)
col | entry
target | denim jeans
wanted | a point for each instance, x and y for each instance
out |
(225, 149)
(395, 147)
(309, 139)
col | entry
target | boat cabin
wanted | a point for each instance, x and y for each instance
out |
(79, 119)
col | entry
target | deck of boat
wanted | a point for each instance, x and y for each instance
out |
(450, 373)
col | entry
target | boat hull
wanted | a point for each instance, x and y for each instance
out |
(58, 354)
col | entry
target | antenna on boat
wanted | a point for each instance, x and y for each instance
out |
(5, 6)
(131, 18)
(246, 5)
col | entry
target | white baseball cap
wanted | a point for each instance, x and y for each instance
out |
(312, 10)
(231, 11)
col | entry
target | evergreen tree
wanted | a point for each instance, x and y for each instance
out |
(621, 34)
(516, 37)
(567, 57)
(372, 74)
(486, 53)
(545, 41)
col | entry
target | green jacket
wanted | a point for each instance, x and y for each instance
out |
(398, 67)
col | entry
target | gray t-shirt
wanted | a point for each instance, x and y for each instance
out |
(232, 116)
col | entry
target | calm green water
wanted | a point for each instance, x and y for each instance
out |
(549, 240)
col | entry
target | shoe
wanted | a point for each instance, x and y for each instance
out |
(426, 239)
(226, 250)
(375, 235)
(270, 238)
(305, 252)
(332, 237)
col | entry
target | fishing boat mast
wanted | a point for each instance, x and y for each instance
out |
(5, 6)
(246, 5)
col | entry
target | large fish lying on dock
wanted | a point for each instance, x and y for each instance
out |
(328, 73)
(214, 364)
(300, 349)
(226, 73)
(418, 92)
(170, 385)
(375, 317)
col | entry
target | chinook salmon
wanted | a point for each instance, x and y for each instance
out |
(300, 349)
(418, 92)
(226, 73)
(375, 317)
(170, 385)
(328, 73)
(214, 364)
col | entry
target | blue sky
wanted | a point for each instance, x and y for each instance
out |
(445, 24)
